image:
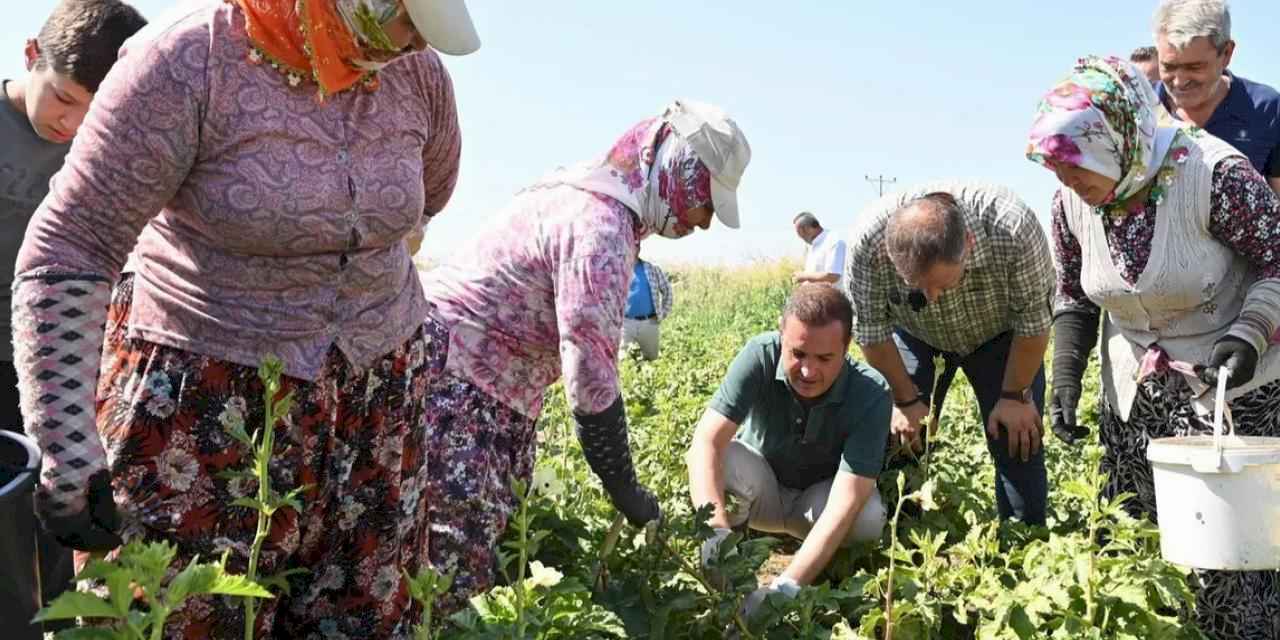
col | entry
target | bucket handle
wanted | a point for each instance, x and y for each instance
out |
(1219, 409)
(33, 459)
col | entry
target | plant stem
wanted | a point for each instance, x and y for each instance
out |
(697, 575)
(610, 541)
(157, 627)
(1092, 542)
(426, 617)
(133, 630)
(939, 371)
(262, 459)
(523, 525)
(893, 546)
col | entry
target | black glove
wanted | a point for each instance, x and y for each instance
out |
(92, 528)
(1062, 411)
(1075, 331)
(604, 443)
(1238, 355)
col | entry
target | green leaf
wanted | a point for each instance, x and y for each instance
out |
(193, 580)
(235, 474)
(227, 584)
(77, 604)
(280, 581)
(270, 370)
(237, 432)
(120, 590)
(1082, 570)
(293, 499)
(149, 561)
(283, 406)
(250, 503)
(90, 633)
(97, 570)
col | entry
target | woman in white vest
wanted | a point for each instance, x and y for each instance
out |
(1174, 234)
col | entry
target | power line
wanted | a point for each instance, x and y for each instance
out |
(881, 181)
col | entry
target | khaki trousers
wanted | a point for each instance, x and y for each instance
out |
(765, 505)
(644, 333)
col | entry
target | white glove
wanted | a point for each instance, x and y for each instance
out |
(782, 585)
(711, 551)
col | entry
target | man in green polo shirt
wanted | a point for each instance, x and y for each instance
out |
(796, 435)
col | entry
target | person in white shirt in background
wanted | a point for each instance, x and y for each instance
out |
(824, 259)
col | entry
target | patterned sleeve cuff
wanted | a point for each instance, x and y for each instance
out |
(58, 330)
(1260, 317)
(603, 436)
(1248, 332)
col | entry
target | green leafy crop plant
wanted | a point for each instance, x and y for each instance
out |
(1092, 572)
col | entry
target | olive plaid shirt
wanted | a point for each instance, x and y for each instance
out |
(1008, 281)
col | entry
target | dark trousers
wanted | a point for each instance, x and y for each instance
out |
(18, 566)
(1022, 488)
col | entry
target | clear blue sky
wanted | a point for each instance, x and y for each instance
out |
(826, 91)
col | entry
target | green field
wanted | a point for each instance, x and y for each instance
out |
(957, 572)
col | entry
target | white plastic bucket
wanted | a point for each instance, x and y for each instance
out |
(1218, 497)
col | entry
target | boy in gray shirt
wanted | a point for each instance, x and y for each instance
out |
(39, 115)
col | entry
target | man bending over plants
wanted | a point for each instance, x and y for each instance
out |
(960, 270)
(795, 435)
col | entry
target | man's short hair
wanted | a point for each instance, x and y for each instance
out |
(1144, 54)
(1183, 20)
(917, 242)
(806, 220)
(81, 38)
(818, 304)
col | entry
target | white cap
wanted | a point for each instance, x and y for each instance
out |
(445, 25)
(720, 145)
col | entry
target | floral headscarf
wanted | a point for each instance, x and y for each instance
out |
(327, 41)
(1104, 117)
(652, 171)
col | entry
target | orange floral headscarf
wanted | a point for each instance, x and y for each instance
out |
(305, 39)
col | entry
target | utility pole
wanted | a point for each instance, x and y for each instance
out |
(881, 181)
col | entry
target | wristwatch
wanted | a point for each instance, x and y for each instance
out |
(1022, 395)
(904, 404)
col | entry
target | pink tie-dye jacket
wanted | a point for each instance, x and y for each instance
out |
(541, 294)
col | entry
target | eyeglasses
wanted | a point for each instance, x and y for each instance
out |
(915, 299)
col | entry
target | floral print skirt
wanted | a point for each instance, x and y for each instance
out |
(353, 438)
(476, 446)
(1230, 605)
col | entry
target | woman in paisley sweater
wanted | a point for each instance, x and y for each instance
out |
(542, 295)
(1172, 233)
(268, 158)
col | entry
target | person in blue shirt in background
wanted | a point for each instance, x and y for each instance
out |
(1193, 39)
(648, 304)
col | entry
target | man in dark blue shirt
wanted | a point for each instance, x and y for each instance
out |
(1193, 38)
